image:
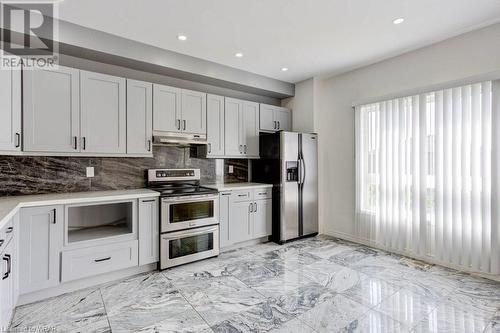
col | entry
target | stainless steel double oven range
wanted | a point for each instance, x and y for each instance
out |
(189, 216)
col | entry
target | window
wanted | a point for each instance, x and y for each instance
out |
(425, 166)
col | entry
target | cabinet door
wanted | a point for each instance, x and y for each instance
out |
(232, 127)
(194, 112)
(262, 218)
(51, 108)
(225, 237)
(40, 244)
(10, 109)
(166, 109)
(251, 129)
(149, 236)
(283, 117)
(267, 122)
(239, 221)
(6, 285)
(103, 113)
(215, 125)
(139, 117)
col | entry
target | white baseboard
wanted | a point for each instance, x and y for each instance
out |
(87, 282)
(367, 242)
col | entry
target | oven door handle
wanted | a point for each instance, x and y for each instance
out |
(200, 231)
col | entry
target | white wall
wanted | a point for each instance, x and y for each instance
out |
(471, 54)
(302, 105)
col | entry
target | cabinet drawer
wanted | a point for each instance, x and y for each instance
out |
(263, 193)
(85, 262)
(6, 234)
(242, 195)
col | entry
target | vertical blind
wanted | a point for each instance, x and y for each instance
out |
(428, 175)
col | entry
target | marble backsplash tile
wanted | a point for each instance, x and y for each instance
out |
(40, 174)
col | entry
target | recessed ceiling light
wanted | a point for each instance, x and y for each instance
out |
(182, 37)
(398, 20)
(238, 55)
(284, 69)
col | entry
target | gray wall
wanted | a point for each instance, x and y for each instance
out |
(471, 54)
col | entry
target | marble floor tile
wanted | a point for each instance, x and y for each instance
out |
(407, 307)
(371, 291)
(375, 322)
(318, 284)
(333, 276)
(253, 271)
(478, 293)
(220, 298)
(448, 317)
(78, 311)
(185, 322)
(263, 317)
(142, 301)
(333, 315)
(294, 326)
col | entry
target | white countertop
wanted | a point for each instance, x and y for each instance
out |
(236, 186)
(10, 205)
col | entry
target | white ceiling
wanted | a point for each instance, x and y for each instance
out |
(310, 37)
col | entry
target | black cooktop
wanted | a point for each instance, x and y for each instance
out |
(181, 189)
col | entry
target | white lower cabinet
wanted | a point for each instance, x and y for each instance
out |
(149, 231)
(89, 261)
(7, 282)
(40, 244)
(262, 217)
(244, 215)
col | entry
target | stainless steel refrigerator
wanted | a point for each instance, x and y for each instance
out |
(289, 160)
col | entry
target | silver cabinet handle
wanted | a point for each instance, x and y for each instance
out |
(9, 230)
(245, 149)
(241, 149)
(149, 145)
(274, 124)
(84, 143)
(178, 124)
(183, 125)
(75, 142)
(279, 125)
(209, 148)
(250, 207)
(18, 140)
(255, 205)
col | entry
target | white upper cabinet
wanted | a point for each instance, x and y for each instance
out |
(51, 110)
(194, 112)
(274, 118)
(232, 139)
(139, 117)
(166, 109)
(283, 119)
(179, 111)
(103, 113)
(251, 129)
(241, 128)
(215, 126)
(10, 109)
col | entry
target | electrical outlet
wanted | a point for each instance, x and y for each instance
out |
(90, 172)
(231, 169)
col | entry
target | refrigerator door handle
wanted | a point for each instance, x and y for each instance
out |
(303, 169)
(299, 166)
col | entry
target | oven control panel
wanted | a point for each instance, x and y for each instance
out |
(173, 174)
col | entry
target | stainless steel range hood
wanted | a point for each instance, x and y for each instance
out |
(178, 139)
